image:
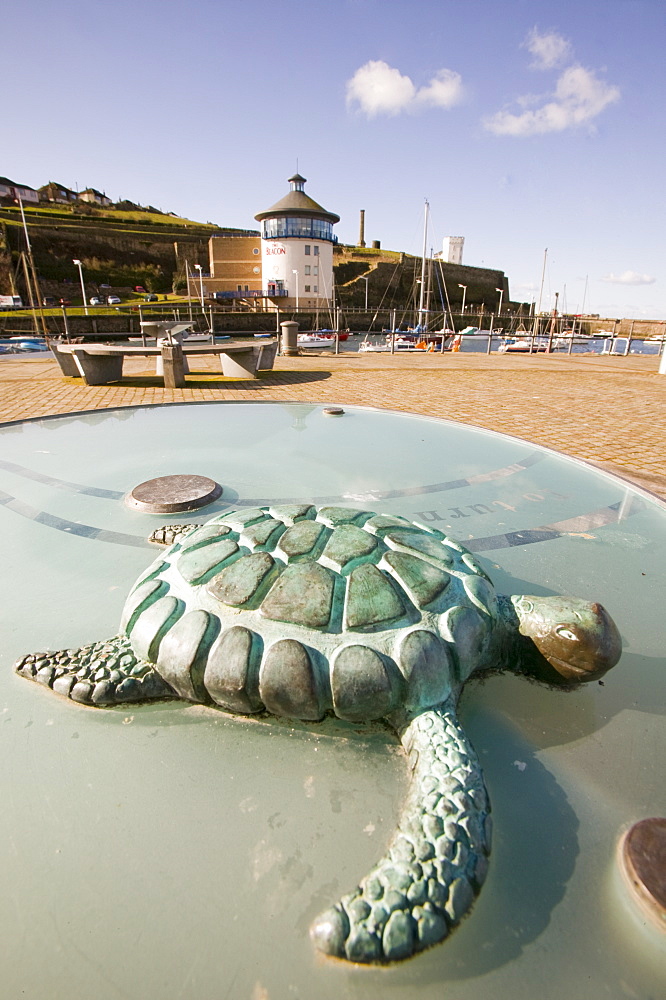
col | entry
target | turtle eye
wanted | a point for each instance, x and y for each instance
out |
(526, 606)
(566, 633)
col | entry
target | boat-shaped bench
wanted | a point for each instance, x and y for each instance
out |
(101, 364)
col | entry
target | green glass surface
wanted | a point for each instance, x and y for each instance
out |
(172, 851)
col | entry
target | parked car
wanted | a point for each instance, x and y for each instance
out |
(139, 288)
(65, 302)
(105, 286)
(11, 302)
(151, 298)
(48, 300)
(113, 300)
(96, 301)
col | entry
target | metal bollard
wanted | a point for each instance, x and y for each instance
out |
(289, 338)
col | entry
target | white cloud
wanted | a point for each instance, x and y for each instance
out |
(629, 278)
(579, 97)
(548, 49)
(380, 89)
(443, 91)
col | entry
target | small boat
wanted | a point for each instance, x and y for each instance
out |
(373, 346)
(22, 345)
(401, 344)
(330, 334)
(192, 337)
(566, 338)
(313, 340)
(522, 346)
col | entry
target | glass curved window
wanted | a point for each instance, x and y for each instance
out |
(308, 229)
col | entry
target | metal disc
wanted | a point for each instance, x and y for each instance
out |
(333, 411)
(643, 856)
(169, 494)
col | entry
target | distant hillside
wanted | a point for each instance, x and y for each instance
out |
(393, 282)
(121, 247)
(127, 245)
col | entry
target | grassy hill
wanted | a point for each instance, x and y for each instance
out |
(120, 246)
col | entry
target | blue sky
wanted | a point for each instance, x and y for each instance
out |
(526, 124)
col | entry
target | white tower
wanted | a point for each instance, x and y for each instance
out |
(452, 250)
(297, 249)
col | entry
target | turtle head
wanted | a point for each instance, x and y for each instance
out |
(565, 640)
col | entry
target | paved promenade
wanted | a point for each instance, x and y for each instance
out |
(608, 411)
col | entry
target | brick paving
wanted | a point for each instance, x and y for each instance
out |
(608, 411)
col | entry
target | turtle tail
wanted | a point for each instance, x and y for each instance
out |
(103, 673)
(436, 861)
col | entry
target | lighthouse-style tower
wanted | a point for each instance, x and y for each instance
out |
(297, 249)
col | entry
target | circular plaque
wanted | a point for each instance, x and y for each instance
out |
(169, 494)
(643, 855)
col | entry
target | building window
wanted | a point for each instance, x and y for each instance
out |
(315, 288)
(302, 228)
(255, 250)
(307, 288)
(315, 270)
(256, 270)
(316, 251)
(307, 268)
(239, 288)
(307, 250)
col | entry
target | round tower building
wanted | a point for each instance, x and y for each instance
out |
(297, 249)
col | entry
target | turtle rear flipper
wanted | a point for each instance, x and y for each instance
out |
(436, 861)
(103, 673)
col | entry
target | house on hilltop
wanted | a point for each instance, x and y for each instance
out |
(12, 191)
(58, 193)
(94, 197)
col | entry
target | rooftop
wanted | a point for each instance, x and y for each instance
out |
(297, 202)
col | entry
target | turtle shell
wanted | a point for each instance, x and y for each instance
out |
(302, 610)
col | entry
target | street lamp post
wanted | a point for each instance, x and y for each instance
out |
(499, 308)
(83, 287)
(294, 271)
(198, 267)
(189, 293)
(553, 323)
(464, 288)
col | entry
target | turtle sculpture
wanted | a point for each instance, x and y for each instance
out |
(303, 611)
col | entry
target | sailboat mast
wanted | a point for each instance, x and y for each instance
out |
(423, 267)
(543, 278)
(536, 326)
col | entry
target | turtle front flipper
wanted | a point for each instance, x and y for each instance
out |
(170, 533)
(436, 861)
(103, 673)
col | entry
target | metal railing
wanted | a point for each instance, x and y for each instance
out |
(252, 293)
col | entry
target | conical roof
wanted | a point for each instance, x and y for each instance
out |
(297, 202)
